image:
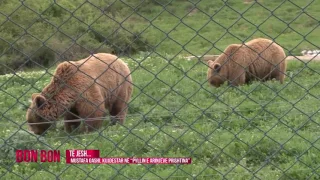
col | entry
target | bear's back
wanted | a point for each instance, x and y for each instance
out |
(100, 63)
(105, 70)
(263, 56)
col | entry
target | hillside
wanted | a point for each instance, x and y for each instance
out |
(41, 32)
(257, 131)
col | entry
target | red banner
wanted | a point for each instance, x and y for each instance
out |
(93, 157)
(81, 154)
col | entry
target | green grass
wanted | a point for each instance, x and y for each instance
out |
(261, 131)
(68, 30)
(266, 129)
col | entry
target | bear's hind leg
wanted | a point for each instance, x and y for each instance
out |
(283, 68)
(279, 74)
(119, 111)
(280, 69)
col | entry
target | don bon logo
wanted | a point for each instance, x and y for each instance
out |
(37, 155)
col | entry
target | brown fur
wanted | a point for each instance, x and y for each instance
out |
(83, 89)
(259, 59)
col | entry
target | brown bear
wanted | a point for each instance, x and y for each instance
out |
(258, 59)
(88, 88)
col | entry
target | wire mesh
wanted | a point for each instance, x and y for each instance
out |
(259, 130)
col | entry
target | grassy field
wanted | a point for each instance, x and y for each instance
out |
(259, 131)
(263, 130)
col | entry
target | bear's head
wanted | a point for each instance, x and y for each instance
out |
(36, 113)
(220, 67)
(216, 74)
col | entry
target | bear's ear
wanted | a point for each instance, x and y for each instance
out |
(210, 63)
(216, 67)
(34, 95)
(39, 100)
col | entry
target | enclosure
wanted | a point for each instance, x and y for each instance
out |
(262, 130)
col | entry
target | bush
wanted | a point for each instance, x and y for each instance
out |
(43, 56)
(55, 36)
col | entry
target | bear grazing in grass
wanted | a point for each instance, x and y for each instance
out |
(88, 88)
(258, 59)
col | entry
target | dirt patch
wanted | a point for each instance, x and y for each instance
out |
(191, 10)
(302, 58)
(251, 1)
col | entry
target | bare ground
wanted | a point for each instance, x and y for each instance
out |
(301, 58)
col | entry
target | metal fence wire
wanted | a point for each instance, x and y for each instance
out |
(258, 130)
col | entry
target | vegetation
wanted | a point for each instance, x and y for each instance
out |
(38, 33)
(262, 130)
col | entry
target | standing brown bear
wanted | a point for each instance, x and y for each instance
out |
(83, 89)
(258, 59)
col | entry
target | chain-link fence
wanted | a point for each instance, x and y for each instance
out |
(160, 96)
